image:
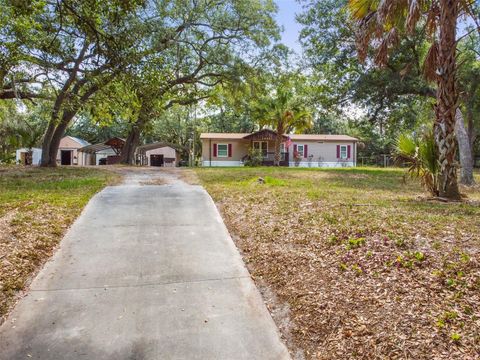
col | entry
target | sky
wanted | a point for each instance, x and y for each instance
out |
(286, 18)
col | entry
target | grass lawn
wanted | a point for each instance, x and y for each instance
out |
(36, 208)
(356, 263)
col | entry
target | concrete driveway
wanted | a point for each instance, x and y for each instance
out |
(146, 272)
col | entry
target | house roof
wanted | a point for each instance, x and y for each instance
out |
(322, 137)
(157, 145)
(264, 134)
(114, 143)
(94, 148)
(223, 135)
(78, 140)
(295, 137)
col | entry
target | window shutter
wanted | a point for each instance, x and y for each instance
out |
(348, 151)
(294, 148)
(214, 150)
(305, 151)
(338, 151)
(229, 150)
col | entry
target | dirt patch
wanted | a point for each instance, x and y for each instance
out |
(158, 181)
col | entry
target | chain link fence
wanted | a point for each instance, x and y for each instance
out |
(380, 160)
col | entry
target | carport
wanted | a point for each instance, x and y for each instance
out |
(106, 153)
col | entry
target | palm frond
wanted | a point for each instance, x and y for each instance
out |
(421, 158)
(431, 62)
(413, 15)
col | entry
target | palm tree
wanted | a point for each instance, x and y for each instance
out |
(383, 22)
(285, 113)
(419, 154)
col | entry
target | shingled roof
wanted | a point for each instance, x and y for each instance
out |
(294, 137)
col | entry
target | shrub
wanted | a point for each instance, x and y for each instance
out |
(254, 157)
(421, 156)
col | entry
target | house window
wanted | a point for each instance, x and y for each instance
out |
(262, 146)
(282, 147)
(343, 151)
(222, 150)
(300, 150)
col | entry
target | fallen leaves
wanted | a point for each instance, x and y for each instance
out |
(375, 281)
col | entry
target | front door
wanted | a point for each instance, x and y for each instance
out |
(156, 160)
(66, 157)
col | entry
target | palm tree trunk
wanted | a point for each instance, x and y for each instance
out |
(277, 156)
(447, 97)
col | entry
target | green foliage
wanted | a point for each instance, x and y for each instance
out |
(20, 129)
(254, 157)
(419, 154)
(355, 243)
(286, 110)
(455, 337)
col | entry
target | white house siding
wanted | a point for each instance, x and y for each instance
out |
(222, 163)
(36, 155)
(323, 164)
(324, 153)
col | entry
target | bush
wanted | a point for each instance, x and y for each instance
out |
(254, 157)
(420, 155)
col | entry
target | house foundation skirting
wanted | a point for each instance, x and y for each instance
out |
(323, 164)
(222, 163)
(313, 164)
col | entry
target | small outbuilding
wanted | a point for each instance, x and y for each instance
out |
(28, 156)
(158, 154)
(67, 152)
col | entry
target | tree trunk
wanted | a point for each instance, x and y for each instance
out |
(47, 139)
(127, 155)
(278, 143)
(51, 141)
(465, 150)
(447, 97)
(471, 131)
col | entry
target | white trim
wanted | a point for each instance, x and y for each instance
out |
(303, 150)
(346, 152)
(260, 148)
(323, 164)
(354, 154)
(221, 163)
(218, 152)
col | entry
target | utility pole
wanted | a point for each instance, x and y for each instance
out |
(193, 134)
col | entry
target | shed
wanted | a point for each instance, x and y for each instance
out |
(26, 156)
(68, 150)
(158, 154)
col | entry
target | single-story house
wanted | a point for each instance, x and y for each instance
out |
(305, 150)
(67, 152)
(158, 154)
